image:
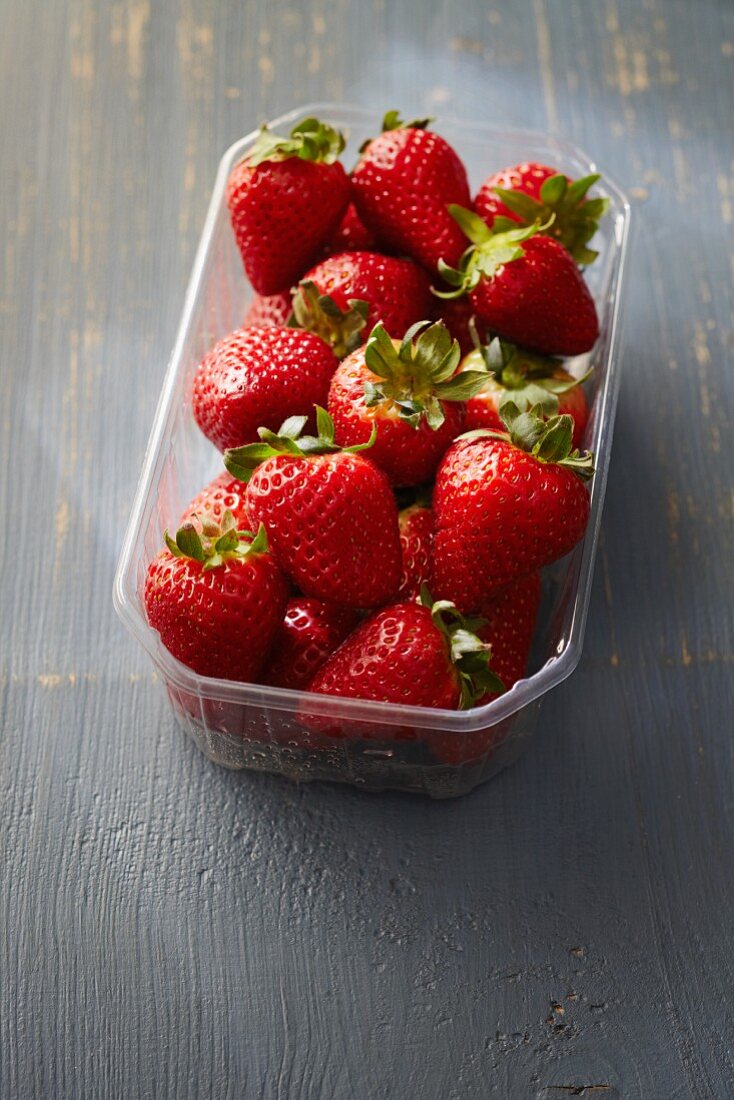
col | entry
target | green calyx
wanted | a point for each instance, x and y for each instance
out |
(418, 374)
(217, 543)
(243, 461)
(548, 440)
(310, 139)
(490, 249)
(570, 217)
(470, 656)
(318, 313)
(392, 121)
(529, 380)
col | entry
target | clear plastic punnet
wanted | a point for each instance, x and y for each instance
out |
(375, 746)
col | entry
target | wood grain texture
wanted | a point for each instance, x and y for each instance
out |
(168, 929)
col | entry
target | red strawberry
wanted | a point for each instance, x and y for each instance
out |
(310, 632)
(457, 314)
(509, 631)
(216, 600)
(412, 653)
(275, 309)
(259, 376)
(416, 537)
(286, 198)
(505, 506)
(224, 494)
(330, 513)
(402, 187)
(525, 287)
(535, 193)
(527, 380)
(353, 235)
(511, 618)
(411, 392)
(374, 287)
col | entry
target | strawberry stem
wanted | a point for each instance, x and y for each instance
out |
(418, 374)
(218, 543)
(469, 655)
(319, 313)
(310, 139)
(243, 461)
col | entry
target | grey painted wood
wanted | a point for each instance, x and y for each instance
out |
(168, 929)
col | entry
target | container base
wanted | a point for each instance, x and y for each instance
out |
(366, 764)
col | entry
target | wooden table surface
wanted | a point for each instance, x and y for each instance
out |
(170, 929)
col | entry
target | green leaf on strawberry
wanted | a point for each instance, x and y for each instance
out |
(529, 380)
(490, 249)
(418, 374)
(310, 139)
(470, 656)
(218, 542)
(318, 313)
(243, 461)
(575, 219)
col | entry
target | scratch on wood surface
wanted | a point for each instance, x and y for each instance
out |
(703, 359)
(614, 656)
(725, 191)
(69, 401)
(61, 530)
(545, 61)
(681, 173)
(138, 15)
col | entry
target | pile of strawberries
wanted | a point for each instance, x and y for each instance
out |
(399, 433)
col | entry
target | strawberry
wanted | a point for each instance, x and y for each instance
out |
(259, 376)
(286, 198)
(416, 538)
(527, 380)
(374, 287)
(330, 514)
(534, 193)
(505, 505)
(402, 187)
(509, 630)
(353, 235)
(525, 287)
(224, 494)
(411, 391)
(511, 616)
(413, 653)
(216, 599)
(310, 632)
(457, 314)
(275, 309)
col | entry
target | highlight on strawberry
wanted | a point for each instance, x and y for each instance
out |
(412, 390)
